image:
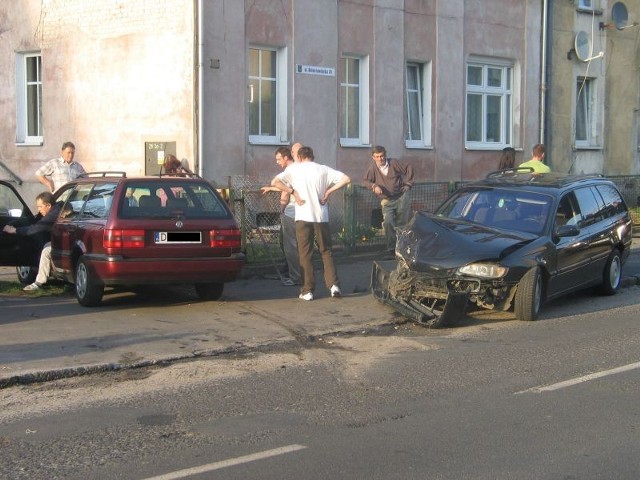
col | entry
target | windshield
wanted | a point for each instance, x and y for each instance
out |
(500, 208)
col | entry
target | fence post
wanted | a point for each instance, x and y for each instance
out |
(349, 218)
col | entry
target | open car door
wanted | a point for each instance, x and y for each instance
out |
(15, 250)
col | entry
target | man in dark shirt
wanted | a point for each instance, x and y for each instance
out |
(390, 180)
(40, 233)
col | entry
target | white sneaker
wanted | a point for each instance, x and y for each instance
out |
(306, 296)
(335, 291)
(30, 288)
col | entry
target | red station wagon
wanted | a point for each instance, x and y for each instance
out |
(115, 230)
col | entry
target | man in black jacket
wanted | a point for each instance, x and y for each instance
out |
(40, 233)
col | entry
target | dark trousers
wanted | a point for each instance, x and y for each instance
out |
(305, 234)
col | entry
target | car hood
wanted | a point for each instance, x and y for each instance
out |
(430, 243)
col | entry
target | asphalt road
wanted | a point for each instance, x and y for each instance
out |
(493, 399)
(53, 337)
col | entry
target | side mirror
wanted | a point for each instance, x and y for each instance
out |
(568, 231)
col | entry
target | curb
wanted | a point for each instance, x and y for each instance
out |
(285, 345)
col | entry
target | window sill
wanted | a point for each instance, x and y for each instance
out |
(587, 147)
(418, 147)
(589, 11)
(355, 145)
(267, 143)
(29, 144)
(489, 148)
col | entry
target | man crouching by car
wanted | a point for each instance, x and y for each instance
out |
(40, 233)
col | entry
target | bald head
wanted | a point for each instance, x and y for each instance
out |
(294, 151)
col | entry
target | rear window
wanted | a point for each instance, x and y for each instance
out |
(165, 200)
(613, 203)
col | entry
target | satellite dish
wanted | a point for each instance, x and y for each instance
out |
(619, 15)
(582, 44)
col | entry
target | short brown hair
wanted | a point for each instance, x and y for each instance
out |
(379, 149)
(538, 150)
(306, 152)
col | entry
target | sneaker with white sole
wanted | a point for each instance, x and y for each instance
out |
(306, 296)
(287, 282)
(30, 288)
(335, 291)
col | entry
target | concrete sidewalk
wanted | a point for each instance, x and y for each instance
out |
(52, 337)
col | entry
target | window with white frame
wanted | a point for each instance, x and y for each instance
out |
(418, 94)
(267, 95)
(586, 4)
(489, 116)
(585, 91)
(29, 98)
(354, 101)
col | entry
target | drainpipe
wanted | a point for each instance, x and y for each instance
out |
(199, 114)
(543, 71)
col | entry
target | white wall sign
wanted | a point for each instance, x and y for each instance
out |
(314, 70)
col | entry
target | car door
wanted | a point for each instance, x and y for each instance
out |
(595, 228)
(15, 250)
(66, 230)
(572, 253)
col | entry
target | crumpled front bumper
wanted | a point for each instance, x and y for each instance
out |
(436, 301)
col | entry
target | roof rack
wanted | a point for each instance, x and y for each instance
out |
(180, 174)
(510, 172)
(103, 174)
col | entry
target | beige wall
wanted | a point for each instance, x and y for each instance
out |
(115, 74)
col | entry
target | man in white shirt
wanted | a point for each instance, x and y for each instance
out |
(311, 184)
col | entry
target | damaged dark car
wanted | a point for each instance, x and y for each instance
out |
(511, 241)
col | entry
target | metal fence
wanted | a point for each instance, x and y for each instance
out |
(355, 217)
(354, 213)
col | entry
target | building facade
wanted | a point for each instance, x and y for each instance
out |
(114, 77)
(442, 84)
(593, 86)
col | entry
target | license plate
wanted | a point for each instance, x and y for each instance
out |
(178, 237)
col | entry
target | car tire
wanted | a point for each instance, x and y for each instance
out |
(612, 274)
(88, 290)
(529, 296)
(209, 291)
(26, 275)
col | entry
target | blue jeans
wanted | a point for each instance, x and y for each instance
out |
(395, 213)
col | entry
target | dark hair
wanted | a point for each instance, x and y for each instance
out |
(284, 151)
(306, 152)
(45, 197)
(171, 164)
(507, 158)
(66, 145)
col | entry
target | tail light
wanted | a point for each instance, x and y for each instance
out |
(123, 239)
(225, 238)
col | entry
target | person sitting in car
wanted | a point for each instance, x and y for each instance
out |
(40, 233)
